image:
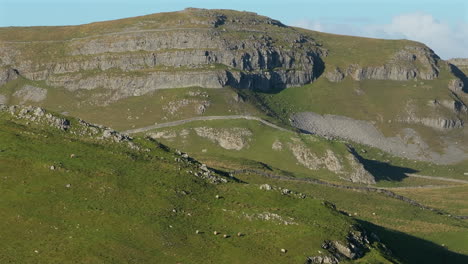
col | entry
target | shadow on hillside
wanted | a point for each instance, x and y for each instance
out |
(383, 171)
(386, 172)
(461, 75)
(410, 249)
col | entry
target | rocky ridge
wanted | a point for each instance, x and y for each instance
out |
(225, 53)
(357, 173)
(212, 49)
(403, 66)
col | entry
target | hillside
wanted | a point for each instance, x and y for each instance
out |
(337, 149)
(127, 69)
(145, 203)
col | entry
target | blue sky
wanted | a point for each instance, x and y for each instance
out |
(423, 20)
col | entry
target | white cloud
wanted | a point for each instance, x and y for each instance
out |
(446, 40)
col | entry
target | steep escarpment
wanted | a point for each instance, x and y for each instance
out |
(409, 63)
(214, 49)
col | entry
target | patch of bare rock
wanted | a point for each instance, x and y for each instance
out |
(228, 138)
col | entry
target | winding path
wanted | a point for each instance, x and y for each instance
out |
(202, 118)
(247, 117)
(437, 178)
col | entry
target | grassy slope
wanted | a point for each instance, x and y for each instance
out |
(416, 236)
(119, 207)
(60, 33)
(391, 214)
(372, 100)
(137, 111)
(389, 171)
(453, 199)
(258, 148)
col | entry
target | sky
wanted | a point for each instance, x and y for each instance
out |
(441, 24)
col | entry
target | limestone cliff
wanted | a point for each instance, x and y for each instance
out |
(410, 63)
(194, 47)
(214, 49)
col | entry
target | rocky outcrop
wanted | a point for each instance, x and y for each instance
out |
(37, 115)
(403, 66)
(359, 174)
(455, 106)
(437, 120)
(277, 145)
(354, 248)
(335, 75)
(407, 144)
(456, 85)
(228, 138)
(7, 74)
(436, 123)
(305, 157)
(228, 51)
(459, 68)
(135, 85)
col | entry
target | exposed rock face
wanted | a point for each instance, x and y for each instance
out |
(456, 85)
(227, 138)
(332, 163)
(305, 157)
(322, 260)
(265, 55)
(335, 76)
(354, 248)
(408, 144)
(7, 75)
(437, 123)
(31, 94)
(403, 66)
(455, 106)
(38, 115)
(277, 145)
(267, 216)
(359, 173)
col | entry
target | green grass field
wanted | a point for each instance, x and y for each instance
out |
(112, 204)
